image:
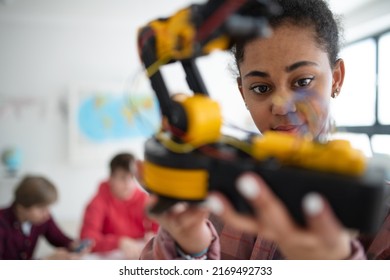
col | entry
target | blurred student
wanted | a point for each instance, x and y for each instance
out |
(115, 217)
(28, 218)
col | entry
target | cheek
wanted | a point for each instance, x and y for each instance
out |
(323, 93)
(261, 115)
(321, 112)
(325, 110)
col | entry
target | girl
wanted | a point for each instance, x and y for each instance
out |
(300, 56)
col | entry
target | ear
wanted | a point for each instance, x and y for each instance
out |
(338, 75)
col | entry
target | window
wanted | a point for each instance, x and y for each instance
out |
(380, 144)
(363, 106)
(355, 106)
(384, 79)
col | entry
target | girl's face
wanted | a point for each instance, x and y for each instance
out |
(286, 81)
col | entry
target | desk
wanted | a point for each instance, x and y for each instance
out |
(111, 255)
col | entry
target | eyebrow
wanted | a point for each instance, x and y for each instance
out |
(257, 73)
(290, 68)
(298, 64)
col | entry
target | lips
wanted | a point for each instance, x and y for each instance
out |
(293, 129)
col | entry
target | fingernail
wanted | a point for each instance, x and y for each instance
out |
(248, 186)
(214, 205)
(312, 204)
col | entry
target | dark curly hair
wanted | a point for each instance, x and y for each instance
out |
(303, 13)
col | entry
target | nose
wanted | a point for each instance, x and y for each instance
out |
(283, 104)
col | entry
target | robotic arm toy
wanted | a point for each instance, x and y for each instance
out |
(190, 156)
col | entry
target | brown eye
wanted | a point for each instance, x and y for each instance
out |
(260, 89)
(303, 82)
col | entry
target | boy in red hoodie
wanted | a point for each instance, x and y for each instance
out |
(115, 217)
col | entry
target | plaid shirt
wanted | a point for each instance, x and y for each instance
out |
(238, 245)
(228, 244)
(378, 246)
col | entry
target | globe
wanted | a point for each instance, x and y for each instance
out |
(12, 159)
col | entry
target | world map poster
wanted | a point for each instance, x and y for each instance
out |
(107, 118)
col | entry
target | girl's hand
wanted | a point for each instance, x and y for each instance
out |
(186, 224)
(323, 238)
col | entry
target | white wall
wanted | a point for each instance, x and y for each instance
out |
(46, 46)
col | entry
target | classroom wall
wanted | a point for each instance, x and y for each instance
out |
(48, 48)
(45, 48)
